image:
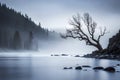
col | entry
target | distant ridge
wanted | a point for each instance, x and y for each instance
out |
(18, 31)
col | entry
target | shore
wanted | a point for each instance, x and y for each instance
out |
(102, 56)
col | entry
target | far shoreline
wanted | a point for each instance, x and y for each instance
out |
(107, 57)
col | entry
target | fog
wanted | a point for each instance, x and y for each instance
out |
(64, 46)
(56, 45)
(48, 47)
(72, 46)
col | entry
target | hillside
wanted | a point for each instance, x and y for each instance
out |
(18, 31)
(111, 52)
(114, 45)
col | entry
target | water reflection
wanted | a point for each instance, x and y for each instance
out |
(15, 69)
(51, 68)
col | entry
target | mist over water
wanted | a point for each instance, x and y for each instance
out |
(64, 46)
(71, 47)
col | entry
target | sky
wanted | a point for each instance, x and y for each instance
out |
(55, 14)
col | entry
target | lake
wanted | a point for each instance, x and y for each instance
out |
(51, 68)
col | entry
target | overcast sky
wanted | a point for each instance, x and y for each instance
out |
(55, 14)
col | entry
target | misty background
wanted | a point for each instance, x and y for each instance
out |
(55, 15)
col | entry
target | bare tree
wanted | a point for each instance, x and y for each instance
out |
(84, 29)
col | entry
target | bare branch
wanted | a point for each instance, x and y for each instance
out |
(78, 32)
(102, 33)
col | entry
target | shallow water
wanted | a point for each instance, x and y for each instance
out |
(51, 68)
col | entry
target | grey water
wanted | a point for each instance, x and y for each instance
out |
(51, 68)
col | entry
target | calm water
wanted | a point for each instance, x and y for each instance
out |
(51, 68)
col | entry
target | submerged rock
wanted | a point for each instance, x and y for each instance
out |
(77, 55)
(118, 64)
(85, 70)
(87, 66)
(64, 55)
(78, 68)
(110, 69)
(98, 68)
(51, 54)
(70, 67)
(56, 55)
(67, 68)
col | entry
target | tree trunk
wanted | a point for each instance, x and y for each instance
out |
(99, 47)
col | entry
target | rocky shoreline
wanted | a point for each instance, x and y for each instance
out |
(102, 56)
(111, 52)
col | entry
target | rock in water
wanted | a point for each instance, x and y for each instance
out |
(70, 67)
(118, 64)
(98, 68)
(110, 69)
(67, 68)
(87, 66)
(64, 55)
(77, 55)
(78, 68)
